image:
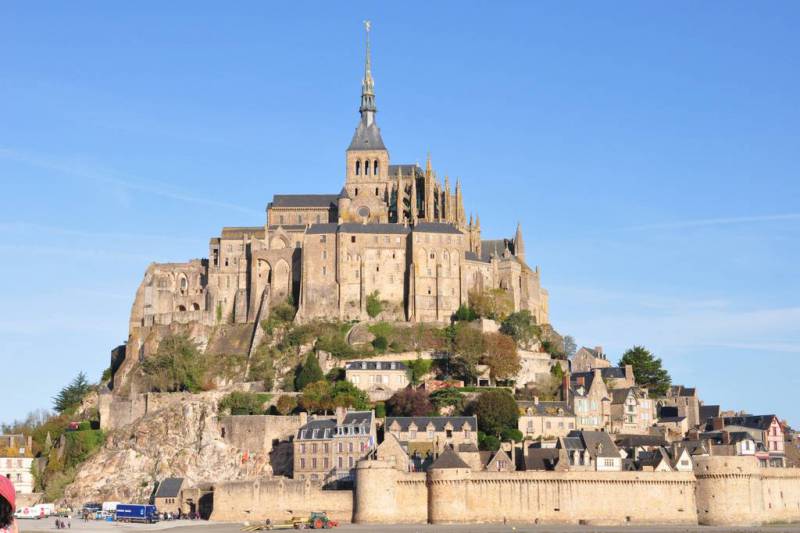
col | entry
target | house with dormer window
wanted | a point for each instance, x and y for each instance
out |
(326, 450)
(545, 420)
(422, 434)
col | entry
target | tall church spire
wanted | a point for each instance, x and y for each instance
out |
(367, 108)
(519, 244)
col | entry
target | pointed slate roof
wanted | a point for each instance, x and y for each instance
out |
(448, 459)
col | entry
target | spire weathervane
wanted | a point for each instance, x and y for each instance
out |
(367, 108)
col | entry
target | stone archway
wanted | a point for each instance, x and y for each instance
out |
(281, 282)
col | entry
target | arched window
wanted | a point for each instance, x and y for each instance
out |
(181, 308)
(358, 168)
(366, 167)
(375, 167)
(195, 306)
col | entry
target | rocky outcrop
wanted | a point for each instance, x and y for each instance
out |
(181, 439)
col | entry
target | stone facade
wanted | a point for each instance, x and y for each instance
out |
(632, 411)
(546, 420)
(394, 231)
(379, 379)
(16, 459)
(433, 433)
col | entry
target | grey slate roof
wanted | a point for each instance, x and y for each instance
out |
(354, 227)
(319, 229)
(592, 441)
(548, 408)
(354, 423)
(169, 488)
(288, 227)
(407, 170)
(494, 247)
(436, 227)
(439, 422)
(762, 422)
(471, 256)
(632, 441)
(613, 372)
(367, 137)
(708, 411)
(448, 459)
(304, 200)
(376, 365)
(541, 459)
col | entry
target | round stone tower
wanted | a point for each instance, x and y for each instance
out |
(374, 496)
(728, 491)
(448, 484)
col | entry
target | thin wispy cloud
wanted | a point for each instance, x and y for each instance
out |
(109, 177)
(723, 221)
(22, 228)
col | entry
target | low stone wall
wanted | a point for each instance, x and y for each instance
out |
(279, 500)
(780, 488)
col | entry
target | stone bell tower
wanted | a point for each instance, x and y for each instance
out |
(365, 197)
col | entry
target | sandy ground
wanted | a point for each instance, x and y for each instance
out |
(185, 526)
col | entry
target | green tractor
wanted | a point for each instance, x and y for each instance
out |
(320, 520)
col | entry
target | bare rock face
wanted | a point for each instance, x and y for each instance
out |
(180, 440)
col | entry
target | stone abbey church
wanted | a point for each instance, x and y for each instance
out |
(395, 230)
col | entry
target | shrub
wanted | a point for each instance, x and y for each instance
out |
(464, 313)
(380, 344)
(243, 403)
(336, 374)
(488, 442)
(374, 304)
(286, 404)
(409, 402)
(521, 326)
(511, 434)
(501, 356)
(380, 410)
(177, 365)
(448, 397)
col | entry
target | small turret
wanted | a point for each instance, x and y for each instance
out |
(519, 244)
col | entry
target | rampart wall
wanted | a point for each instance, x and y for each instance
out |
(735, 491)
(278, 499)
(722, 491)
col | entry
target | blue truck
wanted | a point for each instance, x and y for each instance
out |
(131, 512)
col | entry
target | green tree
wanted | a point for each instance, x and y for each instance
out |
(647, 369)
(345, 394)
(418, 368)
(71, 396)
(409, 402)
(569, 345)
(469, 346)
(316, 397)
(448, 397)
(286, 404)
(488, 442)
(464, 313)
(309, 373)
(521, 326)
(380, 343)
(177, 365)
(496, 411)
(501, 356)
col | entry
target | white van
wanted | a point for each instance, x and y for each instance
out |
(29, 513)
(46, 509)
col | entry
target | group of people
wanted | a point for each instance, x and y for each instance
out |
(8, 499)
(63, 524)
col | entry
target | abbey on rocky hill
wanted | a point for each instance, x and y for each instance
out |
(393, 232)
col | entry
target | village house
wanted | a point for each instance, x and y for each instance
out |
(379, 379)
(590, 400)
(16, 459)
(590, 451)
(670, 424)
(685, 400)
(424, 435)
(587, 359)
(632, 411)
(326, 449)
(764, 429)
(545, 420)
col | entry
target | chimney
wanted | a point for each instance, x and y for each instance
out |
(599, 350)
(565, 387)
(717, 423)
(598, 374)
(629, 374)
(726, 437)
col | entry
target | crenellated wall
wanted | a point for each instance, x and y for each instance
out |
(735, 491)
(722, 491)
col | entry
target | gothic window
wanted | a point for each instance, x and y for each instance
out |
(181, 308)
(358, 171)
(195, 307)
(280, 219)
(429, 290)
(375, 167)
(324, 271)
(319, 219)
(366, 167)
(433, 255)
(226, 261)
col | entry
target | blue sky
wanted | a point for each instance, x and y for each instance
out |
(651, 152)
